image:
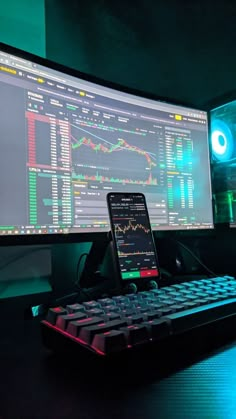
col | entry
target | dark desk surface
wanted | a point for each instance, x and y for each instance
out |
(37, 384)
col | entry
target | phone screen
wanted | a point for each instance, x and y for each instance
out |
(132, 235)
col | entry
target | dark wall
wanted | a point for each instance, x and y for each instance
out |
(179, 49)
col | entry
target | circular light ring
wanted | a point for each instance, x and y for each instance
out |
(222, 141)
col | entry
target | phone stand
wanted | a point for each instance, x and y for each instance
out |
(109, 270)
(101, 267)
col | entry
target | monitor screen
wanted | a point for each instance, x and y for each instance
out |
(223, 151)
(66, 140)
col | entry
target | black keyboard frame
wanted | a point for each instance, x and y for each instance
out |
(187, 346)
(209, 334)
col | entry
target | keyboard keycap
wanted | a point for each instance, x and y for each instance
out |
(229, 278)
(158, 329)
(219, 290)
(132, 296)
(119, 299)
(53, 313)
(158, 292)
(229, 289)
(167, 289)
(75, 326)
(180, 300)
(150, 315)
(189, 284)
(114, 308)
(191, 297)
(201, 295)
(143, 308)
(87, 333)
(178, 286)
(94, 312)
(150, 300)
(206, 281)
(174, 294)
(190, 304)
(91, 304)
(157, 306)
(134, 319)
(166, 310)
(194, 290)
(202, 301)
(186, 292)
(232, 283)
(109, 342)
(63, 321)
(199, 283)
(212, 293)
(204, 288)
(168, 301)
(106, 301)
(74, 308)
(212, 298)
(219, 279)
(177, 307)
(127, 306)
(110, 316)
(144, 294)
(135, 334)
(125, 313)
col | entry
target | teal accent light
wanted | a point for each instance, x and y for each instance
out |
(23, 25)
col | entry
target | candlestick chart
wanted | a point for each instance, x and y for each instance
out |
(131, 227)
(110, 157)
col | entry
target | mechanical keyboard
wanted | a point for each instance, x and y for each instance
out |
(121, 323)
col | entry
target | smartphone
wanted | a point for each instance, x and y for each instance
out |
(132, 237)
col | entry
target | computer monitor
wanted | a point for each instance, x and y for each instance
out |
(67, 139)
(223, 152)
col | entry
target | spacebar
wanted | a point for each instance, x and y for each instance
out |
(199, 316)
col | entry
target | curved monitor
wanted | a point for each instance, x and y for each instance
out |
(66, 141)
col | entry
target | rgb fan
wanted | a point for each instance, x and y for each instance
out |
(222, 141)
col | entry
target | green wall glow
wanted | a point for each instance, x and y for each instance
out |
(22, 25)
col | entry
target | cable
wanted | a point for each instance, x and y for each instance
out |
(195, 257)
(78, 290)
(78, 267)
(83, 291)
(72, 295)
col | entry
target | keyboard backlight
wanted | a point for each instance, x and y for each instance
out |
(98, 351)
(72, 337)
(82, 321)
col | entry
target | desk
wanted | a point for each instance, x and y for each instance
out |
(37, 384)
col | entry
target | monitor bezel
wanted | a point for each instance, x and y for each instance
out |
(58, 238)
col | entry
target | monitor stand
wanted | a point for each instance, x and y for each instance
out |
(93, 270)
